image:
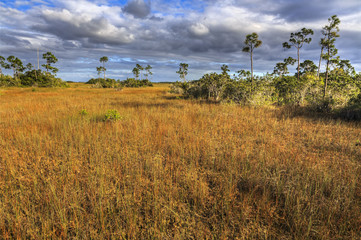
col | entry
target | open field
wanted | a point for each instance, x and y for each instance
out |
(172, 168)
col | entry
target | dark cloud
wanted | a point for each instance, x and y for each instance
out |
(154, 18)
(302, 10)
(138, 8)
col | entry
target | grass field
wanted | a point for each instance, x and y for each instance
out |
(171, 168)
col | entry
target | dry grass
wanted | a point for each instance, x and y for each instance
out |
(172, 169)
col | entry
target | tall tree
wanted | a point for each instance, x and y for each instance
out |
(251, 42)
(103, 60)
(3, 64)
(297, 40)
(140, 68)
(136, 72)
(183, 71)
(330, 33)
(148, 72)
(50, 59)
(16, 64)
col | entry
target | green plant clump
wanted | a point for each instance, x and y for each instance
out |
(112, 115)
(83, 112)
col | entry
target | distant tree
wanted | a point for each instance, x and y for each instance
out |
(225, 70)
(3, 64)
(16, 64)
(50, 59)
(297, 40)
(140, 68)
(307, 66)
(103, 60)
(100, 70)
(183, 71)
(148, 72)
(251, 42)
(29, 66)
(243, 74)
(346, 67)
(281, 68)
(330, 33)
(136, 72)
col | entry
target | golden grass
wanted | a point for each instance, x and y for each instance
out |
(172, 169)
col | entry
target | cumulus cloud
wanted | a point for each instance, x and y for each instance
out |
(69, 26)
(137, 8)
(198, 29)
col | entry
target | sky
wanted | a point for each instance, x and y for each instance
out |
(205, 34)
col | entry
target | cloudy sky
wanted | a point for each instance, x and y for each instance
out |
(204, 33)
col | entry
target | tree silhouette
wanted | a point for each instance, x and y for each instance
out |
(148, 72)
(251, 42)
(297, 40)
(330, 33)
(183, 71)
(16, 64)
(50, 59)
(103, 60)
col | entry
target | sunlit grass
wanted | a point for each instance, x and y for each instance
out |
(172, 168)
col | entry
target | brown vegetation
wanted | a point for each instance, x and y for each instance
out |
(172, 168)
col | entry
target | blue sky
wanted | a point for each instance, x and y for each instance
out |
(205, 34)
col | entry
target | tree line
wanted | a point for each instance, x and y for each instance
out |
(339, 87)
(28, 75)
(138, 70)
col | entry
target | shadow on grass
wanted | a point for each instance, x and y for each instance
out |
(146, 104)
(345, 114)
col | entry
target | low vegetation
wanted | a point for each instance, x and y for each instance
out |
(172, 168)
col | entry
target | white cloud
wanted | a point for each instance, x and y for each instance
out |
(74, 26)
(199, 29)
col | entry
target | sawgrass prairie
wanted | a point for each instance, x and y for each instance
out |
(172, 168)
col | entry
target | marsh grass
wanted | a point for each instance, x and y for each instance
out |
(172, 169)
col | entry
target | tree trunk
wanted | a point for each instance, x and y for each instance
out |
(298, 64)
(326, 77)
(251, 69)
(104, 69)
(319, 63)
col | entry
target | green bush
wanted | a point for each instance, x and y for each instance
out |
(112, 115)
(133, 83)
(8, 81)
(83, 112)
(103, 83)
(40, 78)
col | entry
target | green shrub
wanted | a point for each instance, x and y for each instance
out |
(40, 78)
(133, 83)
(112, 115)
(83, 112)
(8, 81)
(103, 83)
